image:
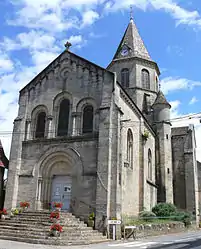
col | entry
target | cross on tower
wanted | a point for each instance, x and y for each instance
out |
(68, 45)
(131, 12)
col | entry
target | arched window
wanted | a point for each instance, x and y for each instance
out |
(130, 148)
(88, 118)
(145, 79)
(149, 165)
(40, 125)
(64, 111)
(125, 77)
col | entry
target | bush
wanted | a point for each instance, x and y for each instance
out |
(164, 210)
(184, 217)
(147, 216)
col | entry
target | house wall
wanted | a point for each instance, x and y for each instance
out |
(185, 173)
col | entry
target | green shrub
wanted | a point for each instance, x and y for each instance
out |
(164, 210)
(184, 217)
(92, 216)
(147, 216)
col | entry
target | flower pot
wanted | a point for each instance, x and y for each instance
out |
(58, 209)
(91, 223)
(55, 221)
(55, 233)
(3, 217)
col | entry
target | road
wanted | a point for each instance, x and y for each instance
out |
(174, 241)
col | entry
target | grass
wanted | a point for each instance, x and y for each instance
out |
(143, 222)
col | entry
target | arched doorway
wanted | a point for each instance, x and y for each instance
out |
(59, 179)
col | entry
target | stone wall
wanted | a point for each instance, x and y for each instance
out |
(199, 185)
(135, 89)
(185, 173)
(132, 178)
(81, 82)
(157, 229)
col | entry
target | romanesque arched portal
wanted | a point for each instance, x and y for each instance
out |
(60, 174)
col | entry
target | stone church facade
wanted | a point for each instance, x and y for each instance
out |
(95, 139)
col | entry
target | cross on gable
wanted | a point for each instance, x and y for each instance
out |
(68, 45)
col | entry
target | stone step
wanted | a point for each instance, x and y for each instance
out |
(43, 219)
(45, 213)
(46, 235)
(22, 226)
(34, 227)
(23, 235)
(46, 229)
(53, 241)
(45, 226)
(46, 220)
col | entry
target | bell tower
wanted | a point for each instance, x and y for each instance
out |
(136, 71)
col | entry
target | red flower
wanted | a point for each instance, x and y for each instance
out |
(24, 204)
(56, 227)
(58, 204)
(4, 211)
(55, 215)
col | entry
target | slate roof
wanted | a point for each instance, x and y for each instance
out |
(134, 42)
(160, 99)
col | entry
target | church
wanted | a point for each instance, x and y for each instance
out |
(100, 139)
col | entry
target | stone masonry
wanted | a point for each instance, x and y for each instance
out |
(111, 141)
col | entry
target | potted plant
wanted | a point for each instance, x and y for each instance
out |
(24, 205)
(145, 135)
(58, 206)
(55, 216)
(56, 229)
(91, 220)
(3, 213)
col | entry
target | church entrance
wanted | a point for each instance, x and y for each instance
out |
(62, 190)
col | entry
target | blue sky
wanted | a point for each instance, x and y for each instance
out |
(34, 32)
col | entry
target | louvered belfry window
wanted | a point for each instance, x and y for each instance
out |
(145, 79)
(125, 77)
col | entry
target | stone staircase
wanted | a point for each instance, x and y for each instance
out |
(34, 227)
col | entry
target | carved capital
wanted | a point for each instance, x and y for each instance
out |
(28, 120)
(49, 117)
(76, 114)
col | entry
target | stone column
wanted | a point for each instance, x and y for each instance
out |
(103, 189)
(28, 129)
(141, 167)
(74, 123)
(49, 126)
(39, 204)
(14, 165)
(78, 125)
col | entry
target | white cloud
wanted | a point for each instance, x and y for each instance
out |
(170, 84)
(6, 63)
(55, 15)
(89, 17)
(77, 41)
(193, 101)
(181, 15)
(175, 108)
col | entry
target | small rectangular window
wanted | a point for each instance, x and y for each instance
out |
(166, 136)
(119, 178)
(168, 170)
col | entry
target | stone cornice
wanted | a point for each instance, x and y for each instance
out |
(68, 139)
(148, 62)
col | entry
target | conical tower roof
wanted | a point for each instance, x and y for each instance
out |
(133, 42)
(161, 100)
